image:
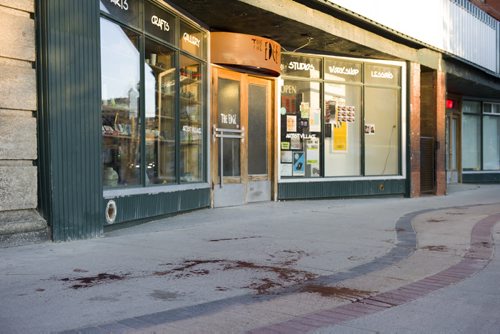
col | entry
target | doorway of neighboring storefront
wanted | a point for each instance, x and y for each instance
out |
(241, 137)
(453, 146)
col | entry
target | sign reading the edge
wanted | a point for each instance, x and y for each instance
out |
(159, 22)
(259, 54)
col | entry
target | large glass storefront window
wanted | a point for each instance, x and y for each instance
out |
(340, 118)
(153, 67)
(120, 59)
(471, 135)
(480, 136)
(382, 111)
(491, 136)
(342, 145)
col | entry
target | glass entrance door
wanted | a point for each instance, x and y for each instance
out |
(241, 133)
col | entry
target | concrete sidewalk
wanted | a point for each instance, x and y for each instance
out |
(252, 268)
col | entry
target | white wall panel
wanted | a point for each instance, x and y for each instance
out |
(454, 26)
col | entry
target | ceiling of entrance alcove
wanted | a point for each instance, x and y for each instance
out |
(235, 16)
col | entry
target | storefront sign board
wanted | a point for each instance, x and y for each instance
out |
(248, 51)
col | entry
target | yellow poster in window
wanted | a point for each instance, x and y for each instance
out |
(340, 137)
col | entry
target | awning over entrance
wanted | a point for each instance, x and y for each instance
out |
(317, 27)
(294, 26)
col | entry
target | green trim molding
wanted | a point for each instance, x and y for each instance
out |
(146, 206)
(340, 189)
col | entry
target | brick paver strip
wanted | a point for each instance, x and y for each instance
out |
(476, 258)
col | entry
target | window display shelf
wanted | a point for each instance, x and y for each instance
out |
(118, 107)
(188, 121)
(118, 136)
(188, 81)
(165, 117)
(189, 101)
(160, 69)
(148, 139)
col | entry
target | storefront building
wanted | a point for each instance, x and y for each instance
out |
(149, 108)
(124, 114)
(150, 113)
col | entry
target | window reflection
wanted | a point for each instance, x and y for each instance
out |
(191, 120)
(152, 113)
(120, 77)
(160, 113)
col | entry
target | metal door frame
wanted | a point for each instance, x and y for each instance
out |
(218, 135)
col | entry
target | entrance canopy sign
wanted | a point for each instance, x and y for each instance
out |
(249, 52)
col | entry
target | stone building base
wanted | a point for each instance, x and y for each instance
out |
(21, 227)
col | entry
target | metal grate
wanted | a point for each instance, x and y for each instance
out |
(427, 164)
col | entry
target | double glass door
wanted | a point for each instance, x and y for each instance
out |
(241, 133)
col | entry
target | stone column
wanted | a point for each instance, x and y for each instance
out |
(19, 220)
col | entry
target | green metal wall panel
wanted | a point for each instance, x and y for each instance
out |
(70, 119)
(138, 207)
(481, 178)
(339, 189)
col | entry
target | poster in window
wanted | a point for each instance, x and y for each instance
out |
(303, 125)
(291, 123)
(370, 129)
(315, 120)
(295, 141)
(340, 137)
(283, 127)
(312, 153)
(286, 156)
(331, 111)
(298, 163)
(304, 109)
(286, 169)
(285, 145)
